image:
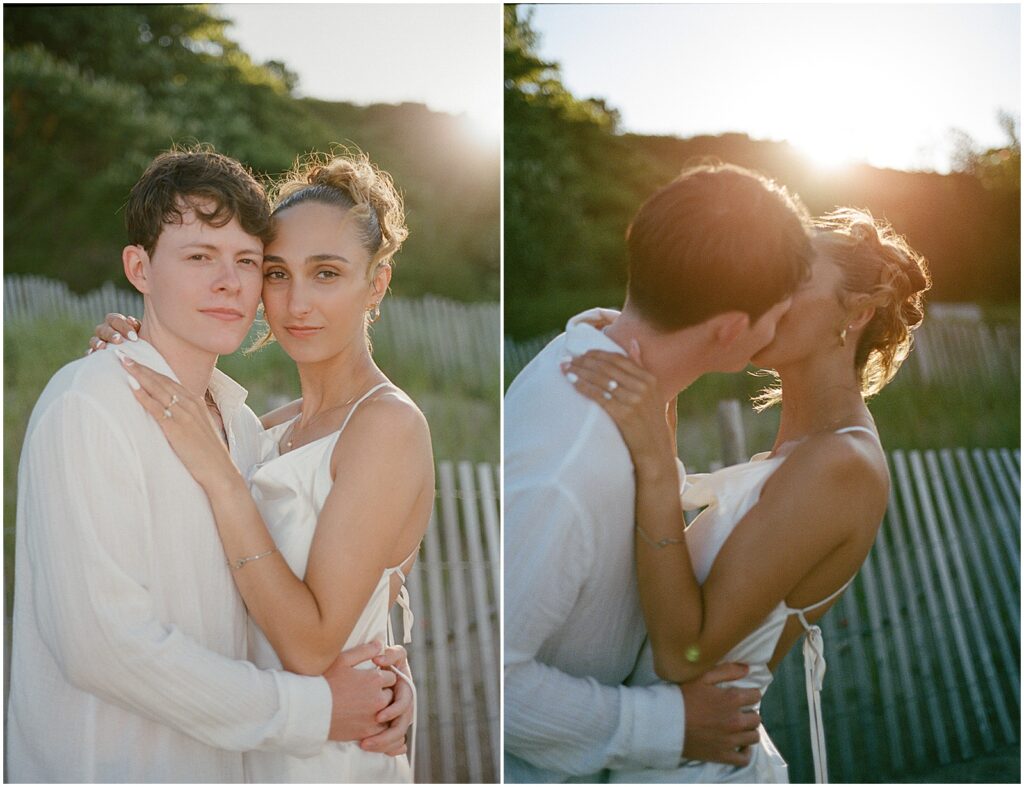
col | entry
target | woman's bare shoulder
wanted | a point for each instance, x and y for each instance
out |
(388, 423)
(844, 477)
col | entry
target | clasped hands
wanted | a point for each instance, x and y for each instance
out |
(721, 725)
(371, 705)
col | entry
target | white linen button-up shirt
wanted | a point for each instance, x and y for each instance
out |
(128, 633)
(573, 622)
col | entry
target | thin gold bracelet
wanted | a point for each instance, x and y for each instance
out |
(658, 544)
(236, 564)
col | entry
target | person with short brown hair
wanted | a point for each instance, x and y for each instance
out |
(129, 636)
(699, 249)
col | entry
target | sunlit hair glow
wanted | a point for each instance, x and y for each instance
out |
(875, 262)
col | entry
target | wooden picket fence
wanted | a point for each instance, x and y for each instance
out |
(446, 339)
(953, 345)
(923, 650)
(456, 638)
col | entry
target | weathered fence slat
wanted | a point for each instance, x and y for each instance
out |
(1005, 482)
(1005, 525)
(886, 672)
(893, 596)
(444, 697)
(867, 716)
(488, 651)
(489, 507)
(460, 621)
(937, 610)
(989, 607)
(915, 618)
(967, 609)
(995, 558)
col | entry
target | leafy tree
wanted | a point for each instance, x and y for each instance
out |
(91, 94)
(570, 187)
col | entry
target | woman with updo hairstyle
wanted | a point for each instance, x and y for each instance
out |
(783, 535)
(333, 516)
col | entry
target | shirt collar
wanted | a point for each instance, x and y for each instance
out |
(228, 394)
(581, 334)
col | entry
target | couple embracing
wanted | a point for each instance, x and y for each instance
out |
(187, 574)
(637, 649)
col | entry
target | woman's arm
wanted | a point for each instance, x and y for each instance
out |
(821, 509)
(384, 479)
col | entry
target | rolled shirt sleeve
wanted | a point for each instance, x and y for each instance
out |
(85, 522)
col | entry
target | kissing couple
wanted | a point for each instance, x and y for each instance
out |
(637, 649)
(188, 574)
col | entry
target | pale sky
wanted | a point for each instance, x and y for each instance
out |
(448, 57)
(878, 83)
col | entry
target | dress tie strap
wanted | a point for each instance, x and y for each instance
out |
(407, 620)
(814, 678)
(407, 617)
(412, 735)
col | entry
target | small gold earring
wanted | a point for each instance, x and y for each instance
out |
(374, 313)
(842, 338)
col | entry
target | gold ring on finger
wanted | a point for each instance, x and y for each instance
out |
(612, 385)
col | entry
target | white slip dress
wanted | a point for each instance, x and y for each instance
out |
(290, 490)
(729, 494)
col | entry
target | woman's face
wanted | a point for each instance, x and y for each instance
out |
(814, 320)
(315, 287)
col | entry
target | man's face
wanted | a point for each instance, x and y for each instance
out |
(753, 339)
(203, 285)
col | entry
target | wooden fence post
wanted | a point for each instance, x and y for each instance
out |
(730, 427)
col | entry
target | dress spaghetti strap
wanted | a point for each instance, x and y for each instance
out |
(848, 429)
(359, 401)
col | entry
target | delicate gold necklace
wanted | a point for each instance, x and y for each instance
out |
(291, 430)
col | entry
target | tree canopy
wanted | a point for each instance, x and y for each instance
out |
(93, 93)
(573, 182)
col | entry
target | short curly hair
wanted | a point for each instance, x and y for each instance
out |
(215, 187)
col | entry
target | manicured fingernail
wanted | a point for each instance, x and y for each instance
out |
(133, 383)
(572, 377)
(100, 345)
(116, 337)
(132, 336)
(90, 351)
